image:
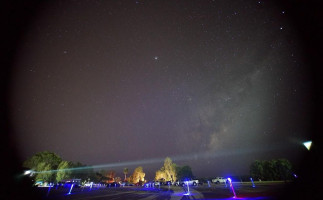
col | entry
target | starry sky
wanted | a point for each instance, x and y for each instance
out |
(212, 84)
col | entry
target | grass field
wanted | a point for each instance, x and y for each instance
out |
(261, 191)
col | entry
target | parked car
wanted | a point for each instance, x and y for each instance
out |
(114, 184)
(168, 183)
(149, 184)
(128, 184)
(218, 180)
(183, 183)
(157, 183)
(139, 184)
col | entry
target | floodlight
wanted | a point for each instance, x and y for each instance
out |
(307, 144)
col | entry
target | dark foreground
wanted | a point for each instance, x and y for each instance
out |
(262, 191)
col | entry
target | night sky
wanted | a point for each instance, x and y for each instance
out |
(212, 84)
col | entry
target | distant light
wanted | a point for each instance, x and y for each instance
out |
(27, 172)
(308, 144)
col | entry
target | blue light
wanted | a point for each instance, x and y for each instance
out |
(70, 189)
(234, 194)
(48, 190)
(253, 185)
(188, 189)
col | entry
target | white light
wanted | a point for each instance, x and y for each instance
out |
(307, 144)
(27, 172)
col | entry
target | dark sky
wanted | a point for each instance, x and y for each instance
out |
(212, 84)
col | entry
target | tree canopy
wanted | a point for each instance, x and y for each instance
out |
(138, 175)
(279, 169)
(167, 172)
(184, 172)
(62, 173)
(171, 172)
(51, 159)
(50, 167)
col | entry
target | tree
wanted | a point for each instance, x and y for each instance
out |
(129, 179)
(45, 173)
(184, 172)
(125, 171)
(99, 177)
(43, 163)
(283, 169)
(160, 175)
(79, 172)
(279, 169)
(167, 172)
(109, 176)
(170, 170)
(62, 173)
(52, 159)
(138, 175)
(117, 179)
(90, 175)
(269, 171)
(256, 169)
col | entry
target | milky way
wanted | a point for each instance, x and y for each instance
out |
(106, 82)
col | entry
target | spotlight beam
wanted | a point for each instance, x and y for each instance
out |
(199, 155)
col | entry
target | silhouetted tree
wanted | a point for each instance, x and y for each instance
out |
(184, 172)
(279, 169)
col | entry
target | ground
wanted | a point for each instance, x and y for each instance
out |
(264, 190)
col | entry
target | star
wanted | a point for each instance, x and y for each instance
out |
(156, 57)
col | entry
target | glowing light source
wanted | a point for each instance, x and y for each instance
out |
(308, 144)
(234, 194)
(29, 172)
(48, 190)
(188, 189)
(253, 184)
(70, 189)
(91, 186)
